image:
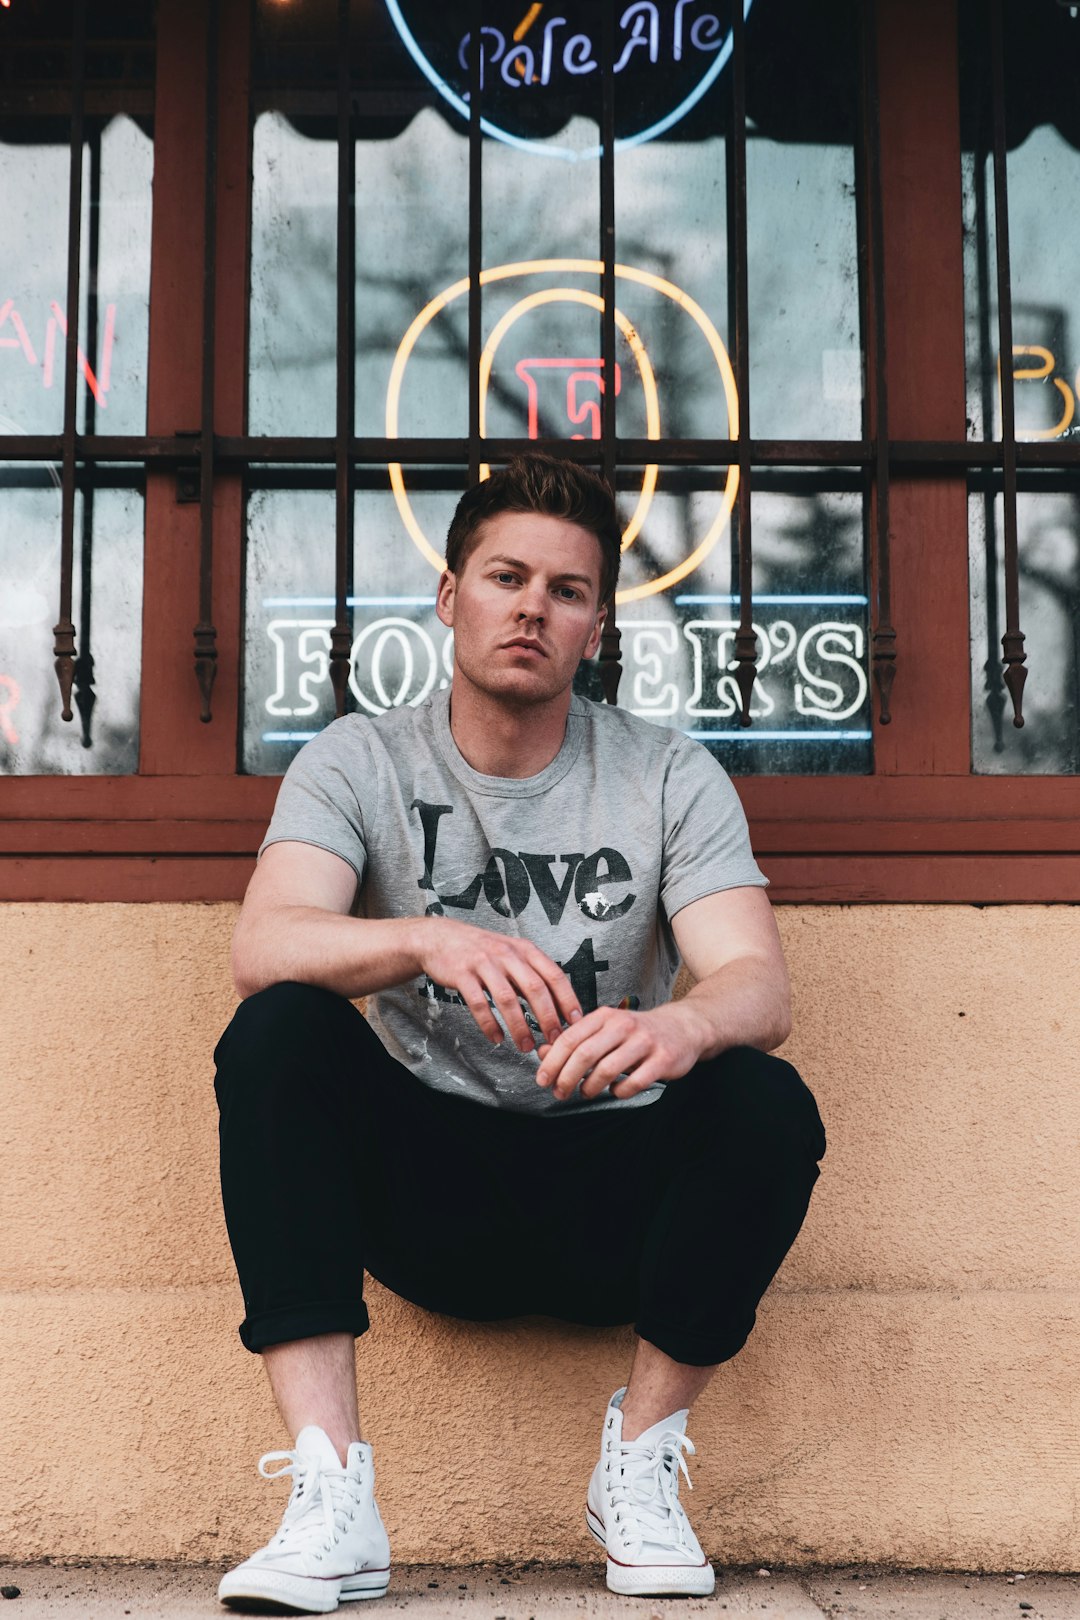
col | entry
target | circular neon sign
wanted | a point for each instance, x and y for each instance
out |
(681, 46)
(535, 267)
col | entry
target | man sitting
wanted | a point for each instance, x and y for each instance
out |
(524, 1122)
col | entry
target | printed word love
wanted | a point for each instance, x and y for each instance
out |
(511, 878)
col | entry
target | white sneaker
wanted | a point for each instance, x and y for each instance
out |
(331, 1546)
(633, 1510)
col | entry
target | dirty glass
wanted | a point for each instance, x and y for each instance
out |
(103, 738)
(1042, 133)
(810, 704)
(1048, 744)
(542, 370)
(36, 82)
(400, 650)
(806, 361)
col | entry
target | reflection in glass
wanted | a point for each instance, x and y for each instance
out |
(107, 606)
(33, 276)
(412, 218)
(114, 281)
(806, 371)
(293, 332)
(1049, 545)
(1042, 65)
(543, 372)
(114, 284)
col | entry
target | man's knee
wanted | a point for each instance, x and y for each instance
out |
(765, 1094)
(285, 1009)
(271, 1028)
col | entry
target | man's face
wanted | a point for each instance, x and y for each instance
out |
(525, 606)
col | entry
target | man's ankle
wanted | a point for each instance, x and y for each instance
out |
(341, 1437)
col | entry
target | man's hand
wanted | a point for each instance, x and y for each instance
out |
(642, 1046)
(730, 944)
(478, 963)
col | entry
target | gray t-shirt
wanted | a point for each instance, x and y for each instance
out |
(590, 860)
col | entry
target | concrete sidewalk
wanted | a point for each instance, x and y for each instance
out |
(529, 1592)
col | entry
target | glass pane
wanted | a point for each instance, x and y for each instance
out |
(400, 650)
(117, 178)
(33, 257)
(412, 256)
(114, 326)
(293, 330)
(810, 707)
(411, 222)
(806, 364)
(1049, 543)
(1042, 65)
(671, 242)
(542, 367)
(106, 608)
(292, 316)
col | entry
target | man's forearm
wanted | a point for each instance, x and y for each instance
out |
(353, 956)
(741, 1004)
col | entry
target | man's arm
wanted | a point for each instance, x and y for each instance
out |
(295, 925)
(730, 943)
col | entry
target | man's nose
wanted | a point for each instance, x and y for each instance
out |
(531, 603)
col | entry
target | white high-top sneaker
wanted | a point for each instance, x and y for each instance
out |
(331, 1546)
(634, 1511)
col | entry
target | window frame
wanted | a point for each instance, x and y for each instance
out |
(922, 828)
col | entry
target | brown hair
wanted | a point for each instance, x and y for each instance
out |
(551, 487)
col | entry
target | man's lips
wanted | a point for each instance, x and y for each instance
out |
(525, 643)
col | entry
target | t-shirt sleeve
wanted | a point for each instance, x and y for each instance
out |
(327, 795)
(706, 839)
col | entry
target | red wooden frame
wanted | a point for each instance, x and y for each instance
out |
(921, 829)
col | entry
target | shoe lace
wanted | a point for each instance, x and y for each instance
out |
(644, 1490)
(321, 1503)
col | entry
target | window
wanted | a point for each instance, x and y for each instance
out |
(76, 155)
(510, 177)
(1017, 106)
(379, 259)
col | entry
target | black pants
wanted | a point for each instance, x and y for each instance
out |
(335, 1158)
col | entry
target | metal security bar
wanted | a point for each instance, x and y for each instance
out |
(85, 697)
(64, 630)
(341, 635)
(1012, 641)
(883, 636)
(610, 656)
(745, 636)
(874, 454)
(205, 633)
(476, 233)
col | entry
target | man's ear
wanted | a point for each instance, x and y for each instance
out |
(594, 635)
(444, 597)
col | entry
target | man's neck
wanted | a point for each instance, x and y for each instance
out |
(498, 738)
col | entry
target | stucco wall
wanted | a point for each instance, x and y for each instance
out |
(909, 1395)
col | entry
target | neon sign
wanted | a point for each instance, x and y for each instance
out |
(810, 671)
(98, 383)
(672, 44)
(10, 695)
(1045, 368)
(576, 295)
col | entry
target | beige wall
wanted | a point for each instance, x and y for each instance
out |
(909, 1395)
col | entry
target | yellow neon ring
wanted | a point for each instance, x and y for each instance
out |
(575, 295)
(533, 267)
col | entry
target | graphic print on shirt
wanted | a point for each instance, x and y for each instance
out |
(512, 878)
